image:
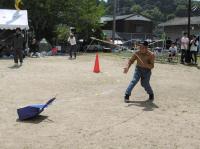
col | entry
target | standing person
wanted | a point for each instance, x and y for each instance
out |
(145, 62)
(194, 49)
(184, 47)
(72, 42)
(17, 46)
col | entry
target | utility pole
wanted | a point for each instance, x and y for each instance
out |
(189, 17)
(114, 20)
(118, 9)
(187, 56)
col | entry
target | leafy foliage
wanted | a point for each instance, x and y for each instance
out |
(46, 15)
(62, 32)
(157, 10)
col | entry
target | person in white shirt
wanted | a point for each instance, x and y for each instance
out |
(193, 49)
(72, 42)
(172, 52)
(184, 47)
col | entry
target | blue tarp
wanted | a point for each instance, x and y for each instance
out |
(32, 111)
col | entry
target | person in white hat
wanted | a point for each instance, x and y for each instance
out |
(72, 42)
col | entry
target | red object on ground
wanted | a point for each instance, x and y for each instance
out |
(96, 65)
(54, 51)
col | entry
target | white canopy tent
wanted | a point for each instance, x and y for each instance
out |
(12, 19)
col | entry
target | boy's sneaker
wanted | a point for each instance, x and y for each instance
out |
(126, 98)
(151, 97)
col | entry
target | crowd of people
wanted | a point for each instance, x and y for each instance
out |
(189, 48)
(18, 49)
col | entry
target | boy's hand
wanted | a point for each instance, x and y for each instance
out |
(126, 70)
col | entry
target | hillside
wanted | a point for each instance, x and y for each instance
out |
(157, 10)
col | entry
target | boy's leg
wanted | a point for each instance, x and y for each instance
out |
(20, 52)
(182, 55)
(191, 55)
(136, 78)
(195, 57)
(74, 49)
(15, 56)
(145, 82)
(170, 57)
(70, 51)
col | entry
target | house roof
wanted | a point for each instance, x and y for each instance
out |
(129, 17)
(123, 17)
(106, 19)
(138, 18)
(181, 21)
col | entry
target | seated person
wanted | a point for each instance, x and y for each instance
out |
(5, 51)
(172, 52)
(34, 48)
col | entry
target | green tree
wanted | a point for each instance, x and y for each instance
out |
(155, 14)
(181, 10)
(84, 15)
(136, 9)
(168, 8)
(41, 17)
(62, 32)
(9, 4)
(171, 16)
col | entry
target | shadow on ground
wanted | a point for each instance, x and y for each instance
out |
(147, 105)
(36, 120)
(192, 65)
(14, 67)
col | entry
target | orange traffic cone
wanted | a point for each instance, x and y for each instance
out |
(96, 65)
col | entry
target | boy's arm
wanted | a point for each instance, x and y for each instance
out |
(151, 62)
(130, 62)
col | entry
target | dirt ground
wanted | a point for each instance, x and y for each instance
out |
(89, 112)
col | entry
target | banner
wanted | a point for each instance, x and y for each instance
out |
(17, 3)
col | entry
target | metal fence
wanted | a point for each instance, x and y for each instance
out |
(129, 39)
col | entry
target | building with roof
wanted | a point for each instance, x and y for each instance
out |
(175, 28)
(129, 26)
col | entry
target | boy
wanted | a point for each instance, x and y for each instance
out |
(18, 46)
(145, 62)
(184, 47)
(72, 41)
